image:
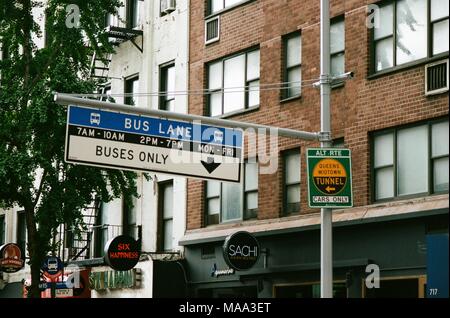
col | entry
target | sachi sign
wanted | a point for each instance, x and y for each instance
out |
(329, 178)
(11, 258)
(241, 250)
(122, 253)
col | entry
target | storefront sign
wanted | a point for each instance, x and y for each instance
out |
(437, 265)
(11, 259)
(215, 272)
(72, 284)
(329, 178)
(64, 293)
(241, 250)
(115, 279)
(122, 253)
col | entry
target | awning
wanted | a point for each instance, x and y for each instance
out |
(389, 211)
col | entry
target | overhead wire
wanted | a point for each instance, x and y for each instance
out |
(228, 90)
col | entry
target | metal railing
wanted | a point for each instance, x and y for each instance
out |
(88, 244)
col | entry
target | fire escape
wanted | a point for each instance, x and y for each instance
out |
(118, 33)
(78, 240)
(83, 243)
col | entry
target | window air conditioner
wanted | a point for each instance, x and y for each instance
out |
(436, 77)
(168, 6)
(212, 30)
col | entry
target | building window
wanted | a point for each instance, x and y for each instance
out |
(291, 181)
(165, 231)
(108, 20)
(226, 201)
(339, 143)
(251, 190)
(411, 160)
(233, 83)
(129, 217)
(166, 6)
(219, 5)
(337, 46)
(69, 240)
(4, 53)
(308, 290)
(213, 202)
(100, 232)
(131, 88)
(167, 87)
(21, 231)
(439, 26)
(132, 13)
(407, 32)
(292, 65)
(398, 287)
(228, 292)
(208, 251)
(112, 19)
(2, 230)
(106, 93)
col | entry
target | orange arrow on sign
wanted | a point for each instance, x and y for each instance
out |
(329, 189)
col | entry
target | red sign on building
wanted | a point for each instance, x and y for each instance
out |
(11, 259)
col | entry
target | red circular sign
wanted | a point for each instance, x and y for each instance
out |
(11, 259)
(122, 253)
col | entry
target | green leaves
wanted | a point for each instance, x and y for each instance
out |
(33, 173)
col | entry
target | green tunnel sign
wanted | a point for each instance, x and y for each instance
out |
(329, 178)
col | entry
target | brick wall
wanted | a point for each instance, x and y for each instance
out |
(361, 106)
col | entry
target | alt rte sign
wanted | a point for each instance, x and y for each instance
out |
(329, 178)
(126, 141)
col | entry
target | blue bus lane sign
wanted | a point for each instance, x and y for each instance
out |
(117, 140)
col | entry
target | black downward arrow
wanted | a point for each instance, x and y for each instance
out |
(210, 166)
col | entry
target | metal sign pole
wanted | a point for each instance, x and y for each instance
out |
(65, 99)
(326, 243)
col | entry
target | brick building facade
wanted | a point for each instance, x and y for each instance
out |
(381, 96)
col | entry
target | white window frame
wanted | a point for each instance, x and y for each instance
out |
(430, 162)
(243, 193)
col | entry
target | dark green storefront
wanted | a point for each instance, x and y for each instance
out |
(290, 263)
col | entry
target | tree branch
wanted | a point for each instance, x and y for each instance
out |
(27, 21)
(43, 70)
(38, 193)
